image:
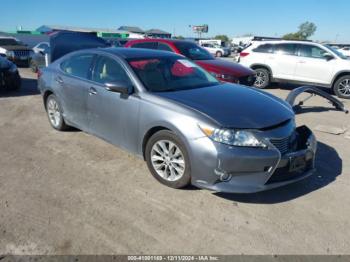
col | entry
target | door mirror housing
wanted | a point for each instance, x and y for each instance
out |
(328, 56)
(119, 87)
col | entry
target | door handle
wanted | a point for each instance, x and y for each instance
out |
(92, 91)
(301, 62)
(58, 79)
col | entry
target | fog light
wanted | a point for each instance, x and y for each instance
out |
(308, 156)
(223, 176)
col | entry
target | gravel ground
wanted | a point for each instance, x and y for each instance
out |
(72, 193)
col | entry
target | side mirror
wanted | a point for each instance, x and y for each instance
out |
(118, 87)
(328, 57)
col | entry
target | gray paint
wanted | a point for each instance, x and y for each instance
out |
(124, 120)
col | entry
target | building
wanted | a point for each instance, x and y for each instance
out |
(101, 32)
(157, 33)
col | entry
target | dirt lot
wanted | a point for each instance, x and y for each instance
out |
(71, 193)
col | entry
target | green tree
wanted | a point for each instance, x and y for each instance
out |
(222, 38)
(306, 30)
(179, 37)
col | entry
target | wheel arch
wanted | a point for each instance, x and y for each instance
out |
(256, 66)
(46, 94)
(149, 134)
(339, 75)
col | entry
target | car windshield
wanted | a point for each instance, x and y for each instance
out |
(164, 74)
(8, 41)
(193, 51)
(341, 55)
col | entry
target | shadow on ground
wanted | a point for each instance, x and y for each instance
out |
(28, 88)
(328, 167)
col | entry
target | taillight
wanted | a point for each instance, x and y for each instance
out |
(243, 54)
(39, 73)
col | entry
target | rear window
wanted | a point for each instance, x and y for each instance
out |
(266, 48)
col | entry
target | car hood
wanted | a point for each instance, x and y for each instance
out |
(15, 47)
(225, 67)
(234, 106)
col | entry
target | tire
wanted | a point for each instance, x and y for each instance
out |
(342, 87)
(263, 79)
(218, 54)
(33, 67)
(170, 173)
(54, 113)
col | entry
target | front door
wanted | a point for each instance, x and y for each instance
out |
(112, 116)
(313, 66)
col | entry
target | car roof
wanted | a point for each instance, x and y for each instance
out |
(131, 53)
(286, 42)
(161, 40)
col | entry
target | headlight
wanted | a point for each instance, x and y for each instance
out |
(232, 137)
(10, 53)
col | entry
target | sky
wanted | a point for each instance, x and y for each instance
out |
(233, 18)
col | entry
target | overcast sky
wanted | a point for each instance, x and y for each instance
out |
(266, 18)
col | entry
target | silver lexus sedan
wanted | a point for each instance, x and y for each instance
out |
(187, 126)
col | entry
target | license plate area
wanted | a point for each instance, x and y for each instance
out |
(23, 58)
(297, 164)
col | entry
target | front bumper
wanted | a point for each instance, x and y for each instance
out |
(223, 168)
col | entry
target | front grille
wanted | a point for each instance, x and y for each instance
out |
(283, 174)
(22, 53)
(283, 144)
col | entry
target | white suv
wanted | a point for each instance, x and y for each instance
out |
(298, 62)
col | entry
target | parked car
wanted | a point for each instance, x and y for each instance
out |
(298, 62)
(41, 47)
(223, 70)
(9, 76)
(345, 51)
(188, 126)
(216, 50)
(15, 51)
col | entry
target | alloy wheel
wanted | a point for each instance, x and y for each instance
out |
(344, 87)
(168, 160)
(260, 79)
(54, 112)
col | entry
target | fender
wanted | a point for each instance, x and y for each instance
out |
(313, 91)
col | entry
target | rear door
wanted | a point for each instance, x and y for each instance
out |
(73, 91)
(284, 61)
(312, 66)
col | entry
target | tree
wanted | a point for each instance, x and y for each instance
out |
(222, 38)
(179, 37)
(306, 30)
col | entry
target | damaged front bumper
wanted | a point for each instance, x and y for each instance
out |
(248, 170)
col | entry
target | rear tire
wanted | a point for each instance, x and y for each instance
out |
(167, 159)
(342, 87)
(263, 79)
(54, 113)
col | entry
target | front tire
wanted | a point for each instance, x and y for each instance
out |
(167, 159)
(342, 87)
(54, 113)
(262, 78)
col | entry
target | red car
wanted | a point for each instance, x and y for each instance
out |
(223, 70)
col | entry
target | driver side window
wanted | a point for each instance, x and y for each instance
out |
(312, 51)
(107, 70)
